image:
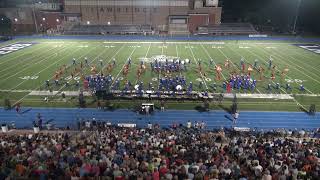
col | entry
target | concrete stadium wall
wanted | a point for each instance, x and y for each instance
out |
(137, 12)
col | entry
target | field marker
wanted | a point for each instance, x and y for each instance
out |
(194, 59)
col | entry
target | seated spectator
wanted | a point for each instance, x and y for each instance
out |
(180, 153)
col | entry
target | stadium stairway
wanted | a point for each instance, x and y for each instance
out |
(63, 117)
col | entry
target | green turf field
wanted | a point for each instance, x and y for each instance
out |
(26, 70)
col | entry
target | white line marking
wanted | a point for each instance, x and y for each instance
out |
(234, 64)
(295, 64)
(43, 83)
(274, 82)
(205, 50)
(118, 50)
(262, 50)
(144, 58)
(55, 62)
(194, 58)
(122, 67)
(94, 59)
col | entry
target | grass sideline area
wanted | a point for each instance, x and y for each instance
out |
(27, 70)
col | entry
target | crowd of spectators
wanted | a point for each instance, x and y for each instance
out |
(179, 153)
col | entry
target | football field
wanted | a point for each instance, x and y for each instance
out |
(27, 70)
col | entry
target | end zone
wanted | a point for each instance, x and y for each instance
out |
(310, 47)
(13, 47)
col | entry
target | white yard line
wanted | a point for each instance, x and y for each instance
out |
(293, 64)
(32, 59)
(106, 64)
(278, 70)
(293, 52)
(205, 50)
(234, 64)
(147, 51)
(162, 49)
(144, 58)
(55, 62)
(122, 67)
(160, 71)
(275, 83)
(93, 60)
(194, 58)
(177, 53)
(30, 65)
(50, 78)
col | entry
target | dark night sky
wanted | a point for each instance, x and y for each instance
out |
(280, 13)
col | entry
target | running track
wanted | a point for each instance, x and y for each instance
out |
(214, 119)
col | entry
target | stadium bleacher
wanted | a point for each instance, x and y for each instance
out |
(153, 153)
(109, 29)
(227, 29)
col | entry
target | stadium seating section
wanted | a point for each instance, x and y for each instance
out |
(175, 153)
(228, 29)
(109, 29)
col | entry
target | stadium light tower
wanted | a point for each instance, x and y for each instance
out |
(296, 18)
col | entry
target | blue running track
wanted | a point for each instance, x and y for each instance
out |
(63, 117)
